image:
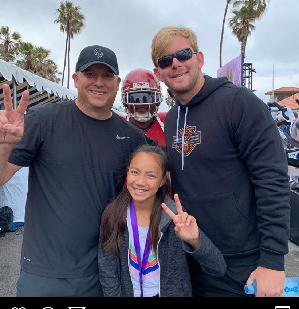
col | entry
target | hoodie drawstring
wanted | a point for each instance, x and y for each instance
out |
(183, 137)
(177, 125)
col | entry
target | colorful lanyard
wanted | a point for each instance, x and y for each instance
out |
(147, 247)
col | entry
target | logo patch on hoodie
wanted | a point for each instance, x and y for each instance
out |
(191, 139)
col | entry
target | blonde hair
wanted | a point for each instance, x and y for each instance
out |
(162, 39)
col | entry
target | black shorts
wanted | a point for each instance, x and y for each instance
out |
(30, 285)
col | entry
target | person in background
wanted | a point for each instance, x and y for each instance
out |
(14, 194)
(134, 229)
(283, 123)
(295, 127)
(141, 96)
(228, 166)
(77, 153)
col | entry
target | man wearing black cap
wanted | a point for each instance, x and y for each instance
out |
(77, 153)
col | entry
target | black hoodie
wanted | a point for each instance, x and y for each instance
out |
(231, 175)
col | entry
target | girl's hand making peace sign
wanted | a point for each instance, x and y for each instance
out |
(186, 227)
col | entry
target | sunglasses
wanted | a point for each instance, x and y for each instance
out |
(182, 55)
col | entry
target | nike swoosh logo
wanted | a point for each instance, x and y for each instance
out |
(122, 137)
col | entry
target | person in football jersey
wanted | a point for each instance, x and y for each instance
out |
(141, 96)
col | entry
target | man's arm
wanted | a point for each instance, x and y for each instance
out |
(260, 147)
(7, 172)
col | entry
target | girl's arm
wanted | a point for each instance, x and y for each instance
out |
(208, 256)
(109, 270)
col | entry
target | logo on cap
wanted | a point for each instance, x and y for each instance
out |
(98, 53)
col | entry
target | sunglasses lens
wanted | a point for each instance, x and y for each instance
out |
(184, 54)
(165, 61)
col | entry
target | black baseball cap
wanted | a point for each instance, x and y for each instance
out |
(97, 54)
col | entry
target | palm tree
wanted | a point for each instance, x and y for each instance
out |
(50, 71)
(71, 22)
(258, 5)
(222, 31)
(26, 56)
(35, 59)
(9, 43)
(242, 22)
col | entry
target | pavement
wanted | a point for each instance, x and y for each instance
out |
(10, 251)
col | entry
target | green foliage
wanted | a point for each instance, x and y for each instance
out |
(9, 42)
(245, 13)
(27, 56)
(35, 59)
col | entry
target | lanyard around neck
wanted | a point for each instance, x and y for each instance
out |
(141, 263)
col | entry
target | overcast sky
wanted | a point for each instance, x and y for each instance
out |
(128, 26)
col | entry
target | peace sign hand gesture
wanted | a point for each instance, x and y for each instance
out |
(12, 120)
(186, 227)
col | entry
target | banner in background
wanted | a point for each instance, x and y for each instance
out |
(232, 70)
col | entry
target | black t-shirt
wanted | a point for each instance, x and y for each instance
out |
(77, 164)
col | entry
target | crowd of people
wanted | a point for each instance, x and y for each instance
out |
(194, 204)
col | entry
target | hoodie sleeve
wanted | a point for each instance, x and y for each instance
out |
(108, 263)
(257, 139)
(208, 256)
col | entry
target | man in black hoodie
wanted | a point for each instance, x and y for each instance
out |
(228, 166)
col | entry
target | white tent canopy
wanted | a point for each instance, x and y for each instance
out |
(41, 90)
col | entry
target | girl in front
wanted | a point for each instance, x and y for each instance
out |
(143, 248)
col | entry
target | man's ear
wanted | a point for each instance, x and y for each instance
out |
(200, 58)
(75, 78)
(118, 82)
(118, 79)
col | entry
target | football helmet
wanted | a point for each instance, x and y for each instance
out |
(141, 95)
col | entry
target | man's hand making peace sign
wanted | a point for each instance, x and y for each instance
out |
(12, 120)
(186, 227)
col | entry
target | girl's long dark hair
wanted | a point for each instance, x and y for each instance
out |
(114, 216)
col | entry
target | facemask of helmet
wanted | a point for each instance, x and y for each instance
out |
(142, 105)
